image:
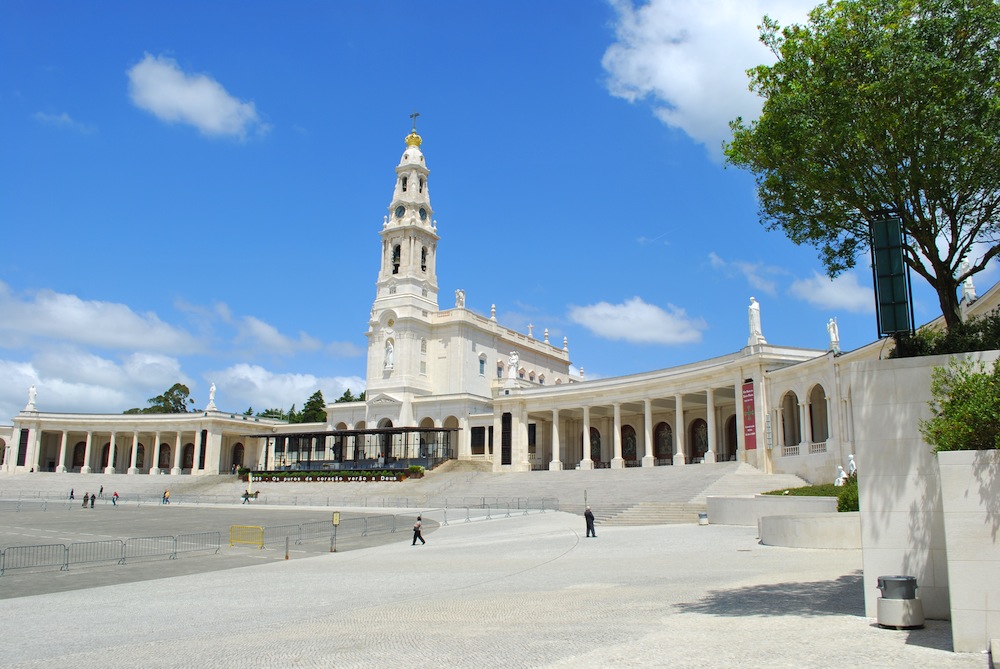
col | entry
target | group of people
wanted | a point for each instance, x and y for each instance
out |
(90, 500)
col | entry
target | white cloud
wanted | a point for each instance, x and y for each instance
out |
(64, 120)
(689, 59)
(845, 292)
(638, 322)
(757, 275)
(158, 85)
(52, 315)
(243, 385)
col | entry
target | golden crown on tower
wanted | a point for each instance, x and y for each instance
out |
(413, 139)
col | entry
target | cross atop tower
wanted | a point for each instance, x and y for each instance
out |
(414, 116)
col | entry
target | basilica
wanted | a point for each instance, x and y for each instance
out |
(445, 382)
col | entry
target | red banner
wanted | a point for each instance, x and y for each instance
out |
(749, 418)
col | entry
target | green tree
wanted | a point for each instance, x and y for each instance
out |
(277, 414)
(346, 397)
(882, 106)
(174, 400)
(314, 410)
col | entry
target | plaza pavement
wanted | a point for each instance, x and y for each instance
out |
(523, 591)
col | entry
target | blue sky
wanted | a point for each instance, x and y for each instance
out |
(193, 191)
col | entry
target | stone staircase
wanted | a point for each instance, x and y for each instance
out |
(633, 496)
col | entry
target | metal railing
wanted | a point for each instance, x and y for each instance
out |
(110, 550)
(817, 447)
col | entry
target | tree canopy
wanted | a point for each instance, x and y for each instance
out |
(314, 410)
(174, 400)
(876, 108)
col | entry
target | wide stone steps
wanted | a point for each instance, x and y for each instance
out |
(653, 513)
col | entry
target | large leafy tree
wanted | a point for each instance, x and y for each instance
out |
(880, 106)
(174, 400)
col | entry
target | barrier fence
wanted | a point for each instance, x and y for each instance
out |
(121, 551)
(110, 550)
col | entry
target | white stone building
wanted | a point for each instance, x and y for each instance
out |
(454, 382)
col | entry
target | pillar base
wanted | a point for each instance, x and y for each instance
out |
(555, 466)
(679, 459)
(175, 471)
(133, 471)
(61, 469)
(154, 471)
(586, 464)
(648, 461)
(85, 469)
(109, 470)
(617, 463)
(710, 456)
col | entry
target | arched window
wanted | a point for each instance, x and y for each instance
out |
(817, 415)
(79, 453)
(423, 346)
(628, 442)
(663, 440)
(499, 370)
(396, 253)
(791, 431)
(188, 457)
(238, 455)
(595, 444)
(404, 184)
(531, 377)
(164, 456)
(421, 184)
(140, 457)
(699, 438)
(423, 259)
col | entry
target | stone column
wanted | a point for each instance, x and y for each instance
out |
(587, 461)
(198, 446)
(710, 454)
(154, 464)
(135, 452)
(804, 431)
(617, 462)
(61, 467)
(679, 457)
(110, 469)
(36, 440)
(649, 459)
(177, 456)
(85, 469)
(556, 454)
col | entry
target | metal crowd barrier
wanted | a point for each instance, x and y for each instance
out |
(109, 550)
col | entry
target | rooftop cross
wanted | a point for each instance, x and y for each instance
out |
(414, 116)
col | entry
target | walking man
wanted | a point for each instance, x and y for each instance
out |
(86, 498)
(416, 533)
(114, 499)
(589, 516)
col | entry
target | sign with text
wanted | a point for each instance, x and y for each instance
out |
(749, 418)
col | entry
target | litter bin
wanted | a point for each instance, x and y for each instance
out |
(898, 607)
(898, 587)
(702, 518)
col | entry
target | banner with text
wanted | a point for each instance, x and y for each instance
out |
(749, 418)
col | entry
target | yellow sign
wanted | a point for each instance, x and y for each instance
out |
(336, 518)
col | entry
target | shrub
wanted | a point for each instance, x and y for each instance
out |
(979, 333)
(416, 471)
(965, 407)
(847, 497)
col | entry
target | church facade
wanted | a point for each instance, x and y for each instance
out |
(460, 383)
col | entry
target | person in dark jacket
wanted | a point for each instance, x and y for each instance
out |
(589, 516)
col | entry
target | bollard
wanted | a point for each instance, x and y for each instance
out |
(286, 548)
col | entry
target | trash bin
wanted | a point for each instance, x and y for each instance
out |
(898, 587)
(702, 518)
(899, 607)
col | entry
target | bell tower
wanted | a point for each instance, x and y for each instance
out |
(406, 294)
(407, 276)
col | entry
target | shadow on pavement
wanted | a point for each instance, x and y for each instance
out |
(844, 596)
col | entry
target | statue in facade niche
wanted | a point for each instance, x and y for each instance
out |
(388, 355)
(512, 365)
